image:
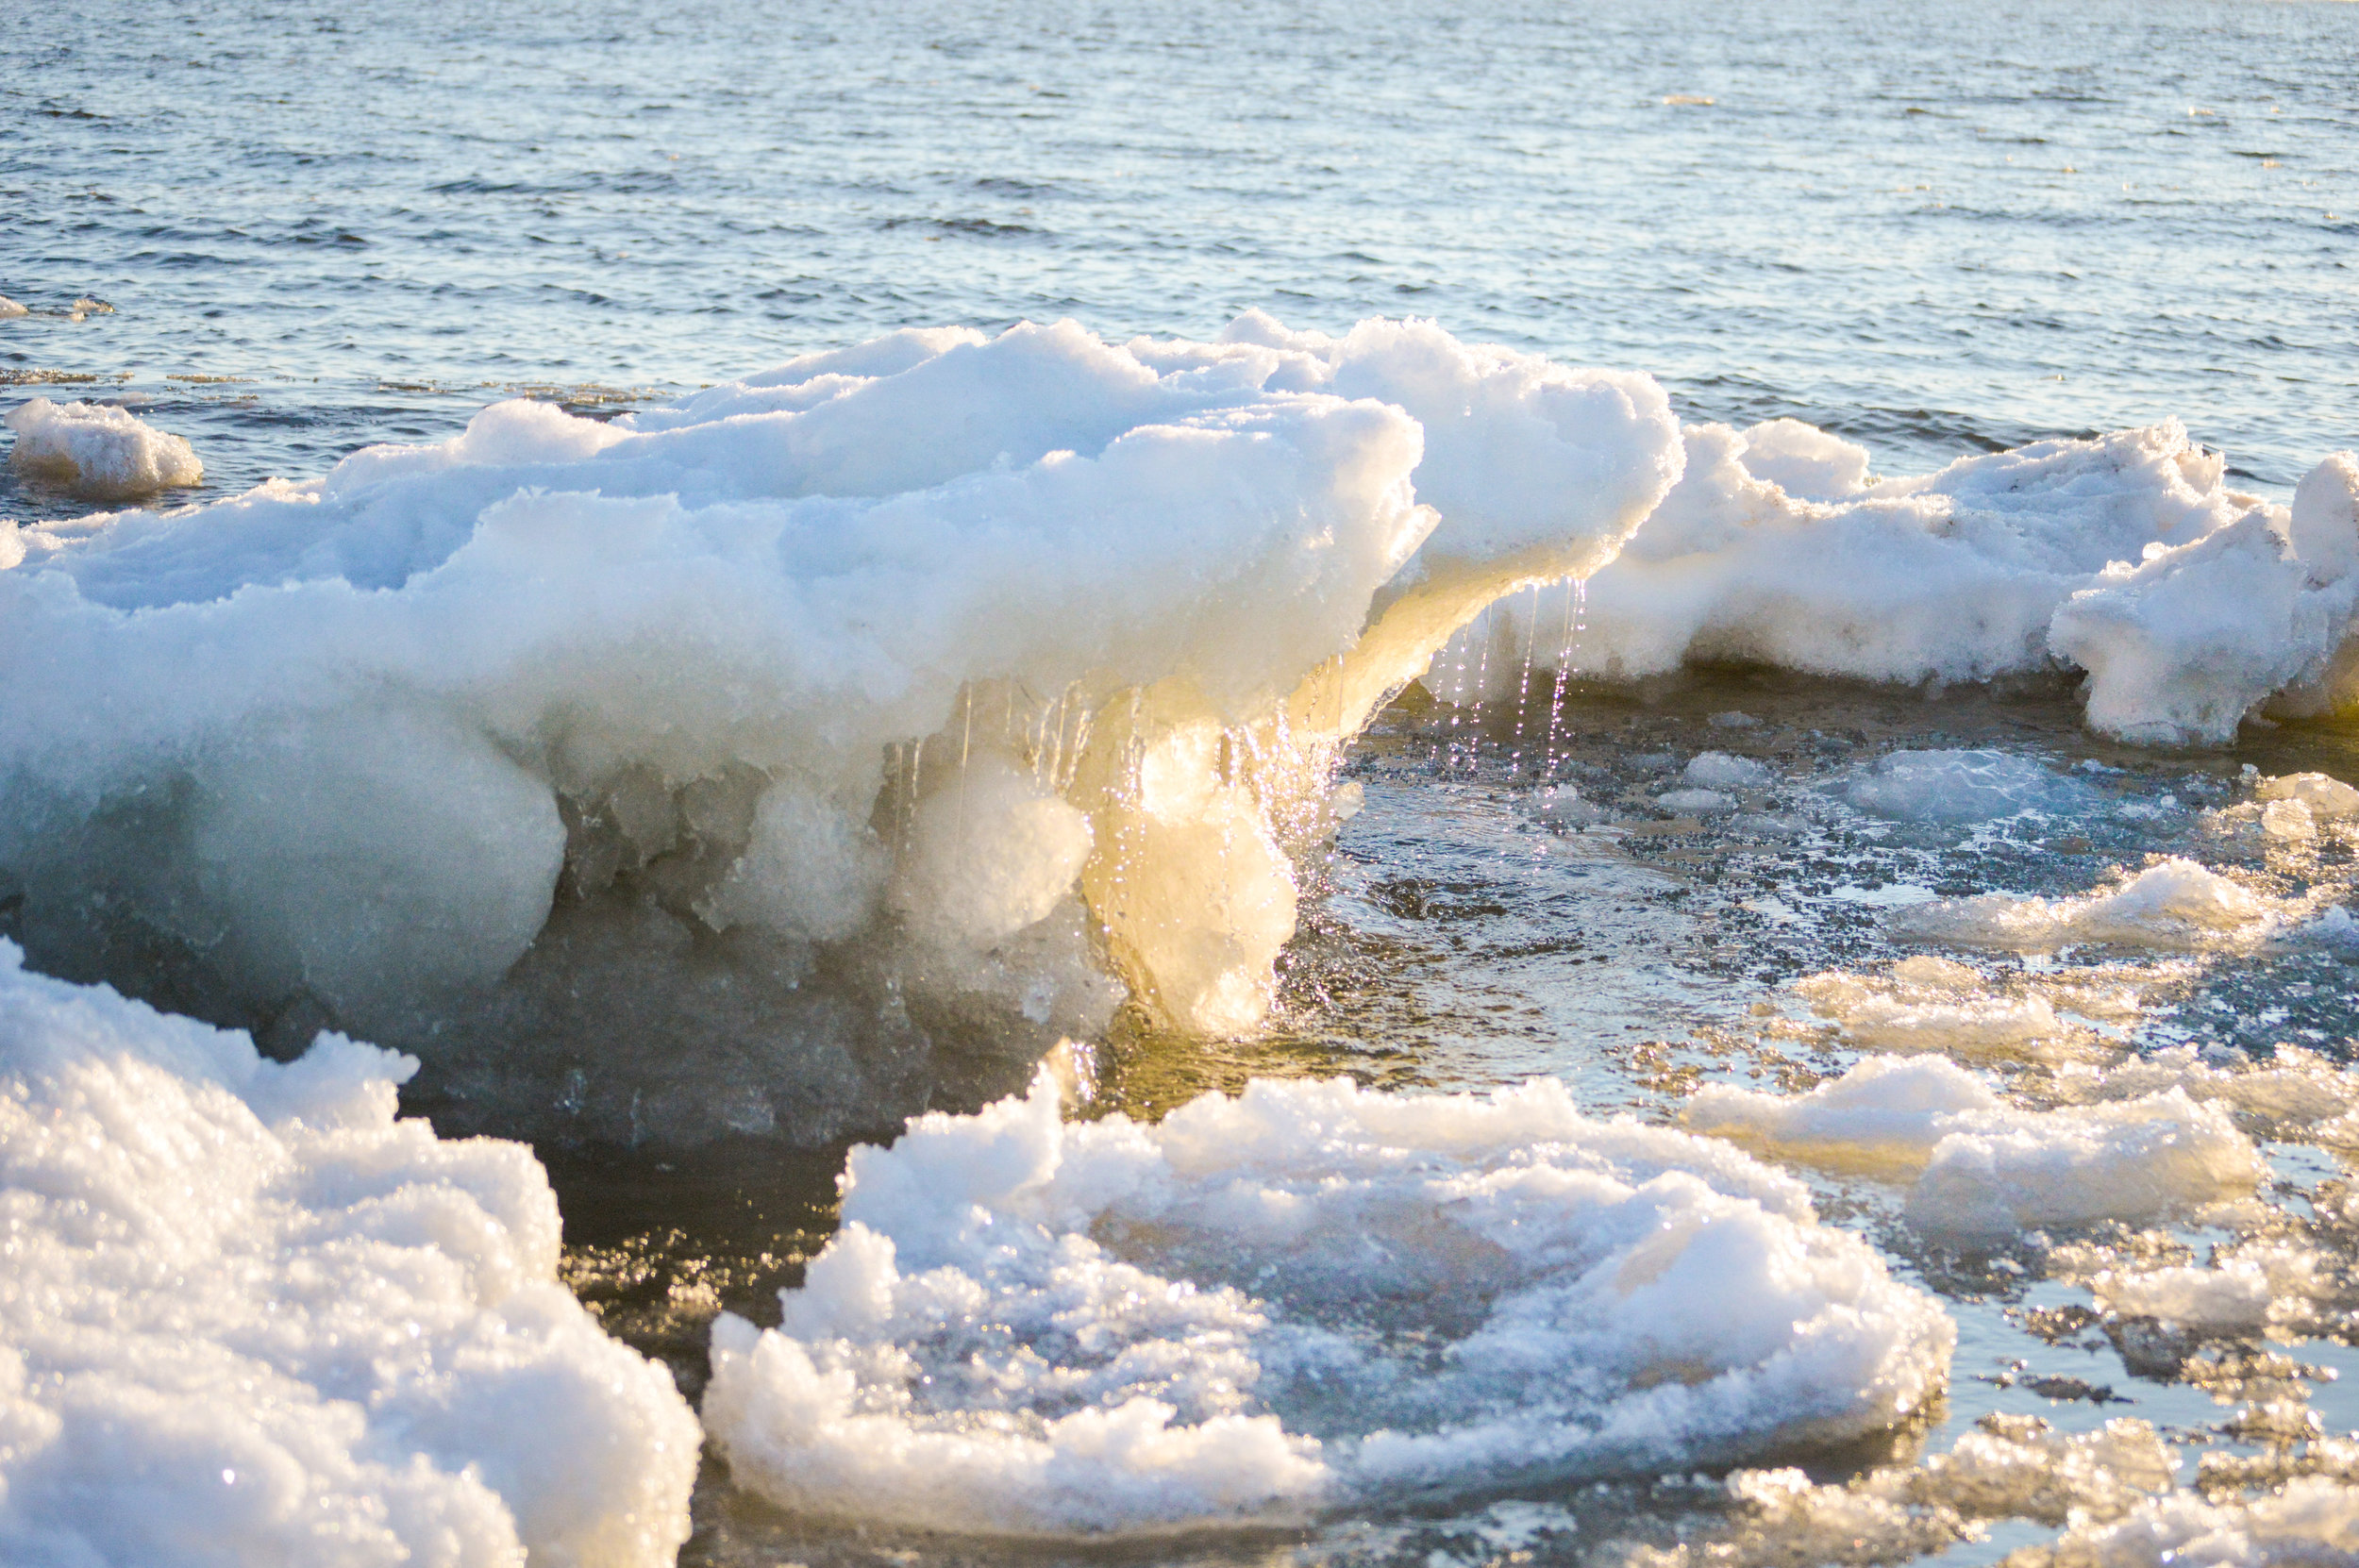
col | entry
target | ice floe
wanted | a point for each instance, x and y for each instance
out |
(97, 452)
(1979, 1166)
(247, 1316)
(1305, 1297)
(2187, 602)
(1032, 653)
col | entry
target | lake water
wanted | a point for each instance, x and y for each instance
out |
(288, 231)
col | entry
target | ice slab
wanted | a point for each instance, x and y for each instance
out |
(1305, 1297)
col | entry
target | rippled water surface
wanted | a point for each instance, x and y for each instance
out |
(287, 230)
(1931, 227)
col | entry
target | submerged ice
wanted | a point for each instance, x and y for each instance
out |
(1311, 1296)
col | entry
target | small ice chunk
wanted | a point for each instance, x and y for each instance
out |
(2324, 797)
(1733, 719)
(1921, 1008)
(98, 452)
(1718, 770)
(1962, 787)
(2175, 904)
(1562, 806)
(1239, 1314)
(1985, 1168)
(9, 309)
(1695, 803)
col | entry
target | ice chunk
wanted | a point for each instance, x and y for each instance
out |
(928, 638)
(2328, 798)
(2173, 904)
(1962, 787)
(1035, 1327)
(2182, 645)
(9, 307)
(250, 1317)
(1983, 1168)
(1928, 1004)
(1718, 770)
(2186, 601)
(1695, 802)
(2323, 526)
(2008, 1467)
(97, 452)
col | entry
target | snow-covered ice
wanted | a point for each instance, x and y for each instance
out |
(1981, 1167)
(2187, 602)
(247, 1316)
(1025, 650)
(1303, 1297)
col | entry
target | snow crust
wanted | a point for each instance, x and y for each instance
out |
(1982, 1167)
(1305, 1297)
(96, 451)
(247, 1316)
(1031, 653)
(2186, 602)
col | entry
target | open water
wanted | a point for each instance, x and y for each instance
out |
(287, 230)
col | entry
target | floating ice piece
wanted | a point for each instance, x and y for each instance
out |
(2173, 904)
(1929, 1004)
(1562, 805)
(2327, 799)
(1701, 803)
(1718, 770)
(1985, 1168)
(2272, 1284)
(9, 309)
(1963, 786)
(2295, 1096)
(250, 1317)
(1030, 1325)
(2310, 1520)
(98, 452)
(2187, 602)
(2010, 1467)
(1078, 624)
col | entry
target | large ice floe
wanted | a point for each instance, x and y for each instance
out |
(247, 1316)
(2186, 602)
(1025, 657)
(1309, 1297)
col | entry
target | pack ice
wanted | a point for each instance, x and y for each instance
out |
(246, 1316)
(2187, 602)
(952, 672)
(1309, 1297)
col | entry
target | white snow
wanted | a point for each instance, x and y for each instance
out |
(956, 636)
(1981, 1167)
(2188, 603)
(247, 1316)
(96, 451)
(1038, 1326)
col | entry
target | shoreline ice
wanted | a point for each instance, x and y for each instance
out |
(249, 1316)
